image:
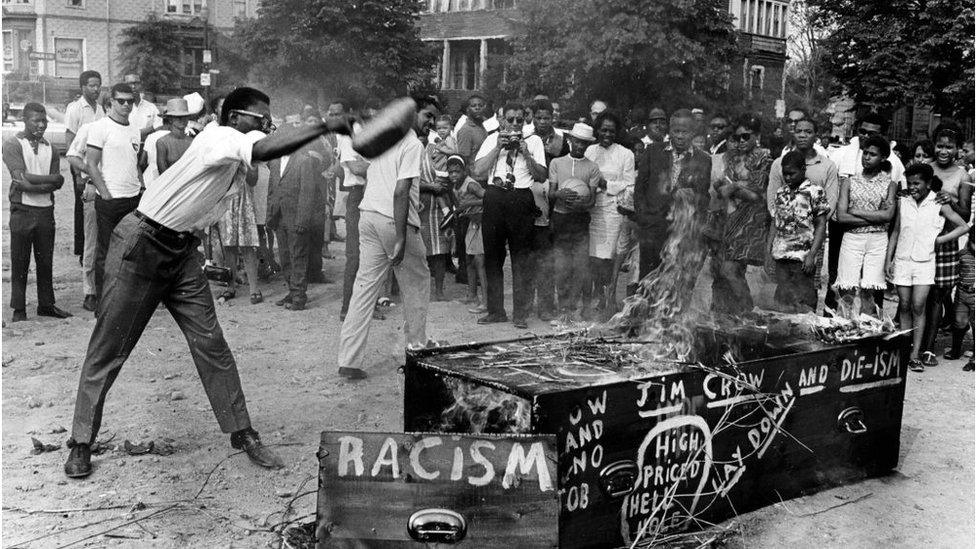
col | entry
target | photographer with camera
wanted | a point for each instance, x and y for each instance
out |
(509, 164)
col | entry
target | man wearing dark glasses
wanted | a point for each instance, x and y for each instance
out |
(153, 258)
(509, 165)
(112, 154)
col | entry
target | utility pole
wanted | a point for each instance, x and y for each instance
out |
(207, 57)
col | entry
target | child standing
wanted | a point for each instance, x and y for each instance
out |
(964, 303)
(571, 217)
(799, 225)
(469, 195)
(910, 262)
(443, 147)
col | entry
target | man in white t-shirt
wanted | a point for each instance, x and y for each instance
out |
(112, 156)
(79, 112)
(153, 258)
(389, 238)
(144, 114)
(509, 165)
(353, 184)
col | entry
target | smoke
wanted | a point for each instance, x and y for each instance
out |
(658, 312)
(480, 409)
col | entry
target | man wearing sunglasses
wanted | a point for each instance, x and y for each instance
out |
(509, 165)
(719, 131)
(153, 258)
(144, 114)
(113, 154)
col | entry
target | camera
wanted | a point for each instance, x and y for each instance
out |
(512, 137)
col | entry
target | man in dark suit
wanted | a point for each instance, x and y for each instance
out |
(666, 170)
(296, 207)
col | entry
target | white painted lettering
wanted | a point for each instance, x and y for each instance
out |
(350, 451)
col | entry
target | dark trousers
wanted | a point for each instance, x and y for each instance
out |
(836, 232)
(316, 242)
(508, 221)
(543, 271)
(294, 249)
(31, 229)
(79, 214)
(146, 265)
(571, 243)
(353, 199)
(108, 213)
(651, 239)
(793, 286)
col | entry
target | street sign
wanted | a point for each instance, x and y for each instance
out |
(41, 55)
(205, 79)
(206, 56)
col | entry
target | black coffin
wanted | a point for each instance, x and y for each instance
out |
(648, 451)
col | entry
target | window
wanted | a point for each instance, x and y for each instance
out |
(69, 57)
(240, 8)
(8, 51)
(184, 7)
(80, 4)
(192, 61)
(16, 1)
(465, 66)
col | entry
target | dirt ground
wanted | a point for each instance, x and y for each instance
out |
(205, 494)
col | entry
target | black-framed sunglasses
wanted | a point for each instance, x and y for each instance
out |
(515, 120)
(130, 101)
(741, 137)
(266, 124)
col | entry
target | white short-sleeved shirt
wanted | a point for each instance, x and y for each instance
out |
(80, 144)
(145, 115)
(194, 192)
(347, 154)
(519, 168)
(402, 161)
(80, 112)
(120, 154)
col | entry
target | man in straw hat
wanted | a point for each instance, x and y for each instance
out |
(153, 258)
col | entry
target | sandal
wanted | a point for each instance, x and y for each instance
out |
(928, 359)
(226, 296)
(256, 298)
(969, 367)
(916, 365)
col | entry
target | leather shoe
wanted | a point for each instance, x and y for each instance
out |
(249, 441)
(352, 373)
(79, 460)
(283, 301)
(90, 303)
(53, 311)
(492, 319)
(295, 305)
(520, 323)
(19, 315)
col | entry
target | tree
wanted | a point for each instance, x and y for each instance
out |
(153, 49)
(808, 81)
(671, 52)
(319, 48)
(891, 53)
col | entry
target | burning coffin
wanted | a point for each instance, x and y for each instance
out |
(648, 448)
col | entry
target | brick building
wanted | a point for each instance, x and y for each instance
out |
(58, 39)
(471, 35)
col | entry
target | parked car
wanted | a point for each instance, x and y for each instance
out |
(13, 124)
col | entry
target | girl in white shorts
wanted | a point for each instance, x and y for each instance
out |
(865, 206)
(910, 262)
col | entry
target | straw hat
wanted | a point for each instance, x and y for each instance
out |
(177, 107)
(582, 131)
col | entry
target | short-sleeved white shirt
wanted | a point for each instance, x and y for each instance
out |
(194, 192)
(80, 144)
(402, 161)
(519, 168)
(145, 115)
(120, 154)
(347, 154)
(80, 112)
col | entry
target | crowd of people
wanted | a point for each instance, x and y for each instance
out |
(573, 205)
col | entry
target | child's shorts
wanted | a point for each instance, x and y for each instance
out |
(861, 261)
(914, 273)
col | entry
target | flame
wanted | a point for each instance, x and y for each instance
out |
(480, 409)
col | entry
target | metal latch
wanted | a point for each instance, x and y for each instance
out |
(437, 526)
(617, 479)
(852, 421)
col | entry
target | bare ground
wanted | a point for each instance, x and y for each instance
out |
(205, 494)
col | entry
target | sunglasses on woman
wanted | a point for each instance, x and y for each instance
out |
(741, 137)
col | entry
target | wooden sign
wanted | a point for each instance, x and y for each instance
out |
(407, 490)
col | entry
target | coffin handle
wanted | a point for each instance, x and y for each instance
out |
(852, 420)
(617, 479)
(437, 526)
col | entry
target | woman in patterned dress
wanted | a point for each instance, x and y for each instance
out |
(747, 223)
(866, 205)
(239, 236)
(435, 196)
(957, 191)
